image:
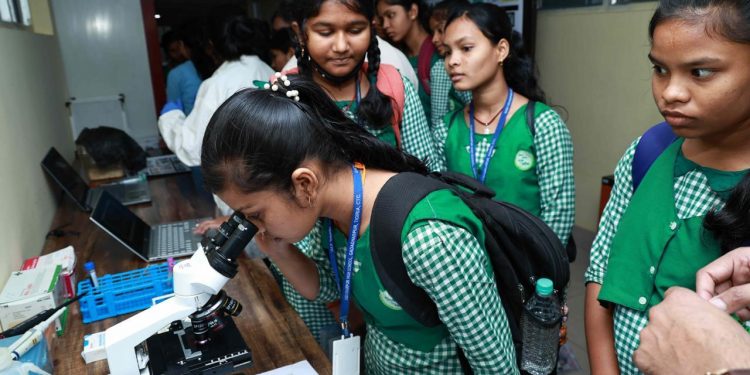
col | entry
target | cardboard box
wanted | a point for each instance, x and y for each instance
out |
(30, 292)
(66, 258)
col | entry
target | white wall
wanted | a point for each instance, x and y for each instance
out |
(32, 118)
(103, 46)
(592, 61)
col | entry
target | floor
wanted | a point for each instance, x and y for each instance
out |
(576, 295)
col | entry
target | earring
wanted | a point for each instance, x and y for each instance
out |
(309, 201)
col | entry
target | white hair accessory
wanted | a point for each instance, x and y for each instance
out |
(293, 94)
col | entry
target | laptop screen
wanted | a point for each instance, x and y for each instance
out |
(65, 176)
(121, 223)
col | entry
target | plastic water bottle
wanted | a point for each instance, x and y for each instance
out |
(540, 330)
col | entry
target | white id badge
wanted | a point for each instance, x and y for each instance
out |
(346, 356)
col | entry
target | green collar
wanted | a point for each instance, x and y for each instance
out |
(721, 182)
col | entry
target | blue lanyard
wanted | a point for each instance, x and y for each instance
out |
(498, 130)
(351, 245)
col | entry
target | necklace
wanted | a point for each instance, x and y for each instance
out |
(487, 124)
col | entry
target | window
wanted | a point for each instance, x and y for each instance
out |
(15, 12)
(557, 4)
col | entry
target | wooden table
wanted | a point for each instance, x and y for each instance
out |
(272, 329)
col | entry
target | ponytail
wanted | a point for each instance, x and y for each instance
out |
(731, 225)
(257, 138)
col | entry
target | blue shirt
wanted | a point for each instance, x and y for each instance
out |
(182, 84)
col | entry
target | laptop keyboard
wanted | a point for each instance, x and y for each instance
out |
(175, 238)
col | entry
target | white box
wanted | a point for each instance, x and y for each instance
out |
(30, 292)
(66, 258)
(94, 348)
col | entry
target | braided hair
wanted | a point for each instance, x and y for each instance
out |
(375, 108)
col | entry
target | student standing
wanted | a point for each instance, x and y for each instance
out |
(334, 40)
(444, 97)
(492, 138)
(405, 23)
(653, 231)
(289, 160)
(234, 40)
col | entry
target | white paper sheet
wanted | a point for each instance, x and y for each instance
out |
(299, 368)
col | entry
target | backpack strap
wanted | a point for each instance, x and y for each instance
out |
(393, 204)
(391, 85)
(424, 60)
(530, 117)
(649, 147)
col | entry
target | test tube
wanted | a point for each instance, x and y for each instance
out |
(89, 266)
(170, 266)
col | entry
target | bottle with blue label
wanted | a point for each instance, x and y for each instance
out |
(540, 330)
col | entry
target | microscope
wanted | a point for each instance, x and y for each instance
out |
(210, 342)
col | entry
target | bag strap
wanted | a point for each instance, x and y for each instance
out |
(424, 60)
(391, 85)
(393, 204)
(651, 145)
(530, 117)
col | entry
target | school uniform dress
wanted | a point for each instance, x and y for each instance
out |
(443, 250)
(182, 84)
(182, 133)
(532, 172)
(417, 141)
(422, 91)
(653, 238)
(444, 98)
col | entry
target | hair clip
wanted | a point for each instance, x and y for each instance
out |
(293, 94)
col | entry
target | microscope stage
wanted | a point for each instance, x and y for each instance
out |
(177, 352)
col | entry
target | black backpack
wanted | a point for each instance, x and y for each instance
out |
(519, 245)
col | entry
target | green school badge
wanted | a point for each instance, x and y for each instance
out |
(524, 160)
(388, 301)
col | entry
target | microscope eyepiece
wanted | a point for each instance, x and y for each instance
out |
(228, 243)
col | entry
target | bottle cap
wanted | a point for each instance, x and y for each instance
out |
(88, 266)
(544, 287)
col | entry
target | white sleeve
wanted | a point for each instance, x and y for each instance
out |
(184, 135)
(392, 56)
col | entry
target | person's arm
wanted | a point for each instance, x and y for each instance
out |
(440, 86)
(725, 282)
(600, 339)
(451, 266)
(598, 319)
(299, 269)
(184, 134)
(416, 138)
(688, 335)
(554, 151)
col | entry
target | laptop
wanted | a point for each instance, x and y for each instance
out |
(150, 243)
(165, 165)
(129, 191)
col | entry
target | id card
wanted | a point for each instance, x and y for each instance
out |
(346, 356)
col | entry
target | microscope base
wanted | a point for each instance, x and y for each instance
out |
(176, 351)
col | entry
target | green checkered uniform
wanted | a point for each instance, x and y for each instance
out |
(416, 140)
(449, 263)
(416, 137)
(553, 149)
(693, 196)
(444, 97)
